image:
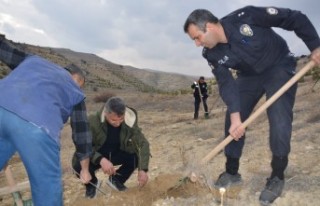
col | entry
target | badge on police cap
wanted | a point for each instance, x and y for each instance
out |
(272, 11)
(246, 30)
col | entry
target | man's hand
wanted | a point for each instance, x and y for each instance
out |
(315, 56)
(236, 130)
(107, 166)
(85, 176)
(142, 178)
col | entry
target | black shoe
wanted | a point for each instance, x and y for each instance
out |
(226, 180)
(272, 191)
(115, 184)
(91, 189)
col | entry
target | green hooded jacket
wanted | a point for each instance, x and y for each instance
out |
(132, 139)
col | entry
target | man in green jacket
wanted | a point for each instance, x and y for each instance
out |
(117, 140)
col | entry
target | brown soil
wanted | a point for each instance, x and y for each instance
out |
(178, 143)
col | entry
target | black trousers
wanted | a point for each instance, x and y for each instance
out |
(280, 113)
(197, 102)
(128, 161)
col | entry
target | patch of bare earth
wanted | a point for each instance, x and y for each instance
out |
(178, 143)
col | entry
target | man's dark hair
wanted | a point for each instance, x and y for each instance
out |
(200, 17)
(116, 105)
(74, 69)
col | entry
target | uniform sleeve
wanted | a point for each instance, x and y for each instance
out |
(81, 134)
(227, 88)
(287, 19)
(9, 54)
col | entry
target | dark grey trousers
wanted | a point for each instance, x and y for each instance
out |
(280, 114)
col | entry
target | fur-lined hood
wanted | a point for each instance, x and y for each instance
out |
(130, 116)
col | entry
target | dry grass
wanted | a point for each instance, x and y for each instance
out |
(178, 143)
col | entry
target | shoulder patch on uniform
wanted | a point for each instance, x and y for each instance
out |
(246, 30)
(272, 11)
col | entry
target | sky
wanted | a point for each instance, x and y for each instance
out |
(146, 34)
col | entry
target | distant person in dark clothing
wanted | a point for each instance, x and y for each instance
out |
(200, 94)
(117, 140)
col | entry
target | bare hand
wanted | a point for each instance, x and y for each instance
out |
(315, 56)
(107, 167)
(142, 178)
(85, 176)
(236, 130)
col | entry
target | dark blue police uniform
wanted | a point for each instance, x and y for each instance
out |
(263, 63)
(203, 88)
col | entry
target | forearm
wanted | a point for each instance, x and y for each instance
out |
(85, 164)
(81, 134)
(315, 56)
(9, 54)
(85, 175)
(235, 118)
(236, 129)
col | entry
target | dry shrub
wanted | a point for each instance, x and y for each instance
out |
(103, 97)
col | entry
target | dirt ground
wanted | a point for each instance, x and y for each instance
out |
(178, 143)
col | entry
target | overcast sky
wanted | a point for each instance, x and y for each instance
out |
(141, 33)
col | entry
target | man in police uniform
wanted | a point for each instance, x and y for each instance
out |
(200, 94)
(244, 41)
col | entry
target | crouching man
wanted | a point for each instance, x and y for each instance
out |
(117, 140)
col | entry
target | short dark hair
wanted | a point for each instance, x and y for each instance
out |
(116, 105)
(202, 77)
(200, 17)
(74, 69)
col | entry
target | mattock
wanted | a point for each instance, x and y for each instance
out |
(254, 115)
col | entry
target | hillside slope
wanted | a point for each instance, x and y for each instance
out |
(103, 74)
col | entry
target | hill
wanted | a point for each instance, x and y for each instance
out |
(103, 74)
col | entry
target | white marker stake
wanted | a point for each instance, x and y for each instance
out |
(222, 190)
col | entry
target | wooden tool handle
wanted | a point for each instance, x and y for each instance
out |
(261, 109)
(12, 183)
